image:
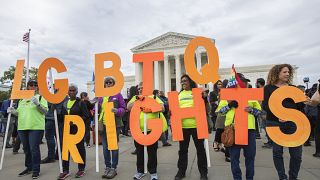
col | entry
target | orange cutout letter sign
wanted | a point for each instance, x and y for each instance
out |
(110, 127)
(242, 96)
(60, 84)
(209, 70)
(16, 92)
(303, 126)
(102, 72)
(147, 71)
(155, 125)
(198, 111)
(70, 140)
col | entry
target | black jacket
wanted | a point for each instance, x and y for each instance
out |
(79, 108)
(287, 103)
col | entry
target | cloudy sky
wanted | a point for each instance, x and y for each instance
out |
(247, 32)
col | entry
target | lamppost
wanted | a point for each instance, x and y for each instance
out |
(306, 81)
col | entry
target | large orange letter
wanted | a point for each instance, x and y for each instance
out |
(16, 92)
(110, 127)
(155, 125)
(147, 70)
(242, 96)
(101, 72)
(60, 84)
(198, 111)
(210, 70)
(70, 140)
(303, 126)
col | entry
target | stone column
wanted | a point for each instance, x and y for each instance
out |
(178, 72)
(138, 71)
(156, 75)
(198, 59)
(166, 74)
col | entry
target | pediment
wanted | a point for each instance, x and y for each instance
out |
(165, 41)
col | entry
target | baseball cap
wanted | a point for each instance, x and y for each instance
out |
(244, 79)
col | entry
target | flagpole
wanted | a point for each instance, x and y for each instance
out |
(56, 123)
(11, 104)
(27, 75)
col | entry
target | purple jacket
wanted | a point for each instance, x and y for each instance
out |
(121, 105)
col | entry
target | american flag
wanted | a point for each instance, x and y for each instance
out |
(26, 37)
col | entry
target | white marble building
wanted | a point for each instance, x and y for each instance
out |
(167, 73)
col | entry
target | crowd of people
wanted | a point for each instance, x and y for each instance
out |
(33, 119)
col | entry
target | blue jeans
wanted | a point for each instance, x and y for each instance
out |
(31, 146)
(295, 155)
(50, 134)
(249, 152)
(106, 153)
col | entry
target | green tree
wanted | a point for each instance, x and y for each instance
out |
(8, 75)
(4, 95)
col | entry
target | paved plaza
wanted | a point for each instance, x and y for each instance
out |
(167, 164)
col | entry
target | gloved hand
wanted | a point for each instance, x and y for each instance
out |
(35, 101)
(145, 109)
(114, 110)
(11, 110)
(140, 97)
(233, 104)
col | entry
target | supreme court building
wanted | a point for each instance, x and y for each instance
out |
(167, 73)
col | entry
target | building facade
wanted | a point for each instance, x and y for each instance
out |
(167, 73)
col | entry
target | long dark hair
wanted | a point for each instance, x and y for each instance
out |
(192, 83)
(132, 92)
(215, 86)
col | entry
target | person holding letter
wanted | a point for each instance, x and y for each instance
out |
(281, 75)
(31, 125)
(74, 106)
(111, 162)
(152, 149)
(253, 109)
(189, 129)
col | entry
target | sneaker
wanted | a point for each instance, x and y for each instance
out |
(35, 175)
(112, 173)
(80, 174)
(227, 159)
(106, 171)
(63, 175)
(166, 144)
(138, 176)
(154, 176)
(179, 176)
(134, 152)
(8, 146)
(204, 177)
(47, 160)
(267, 145)
(316, 155)
(15, 152)
(307, 144)
(88, 146)
(25, 172)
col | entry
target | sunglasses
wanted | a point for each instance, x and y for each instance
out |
(184, 81)
(109, 82)
(33, 85)
(72, 90)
